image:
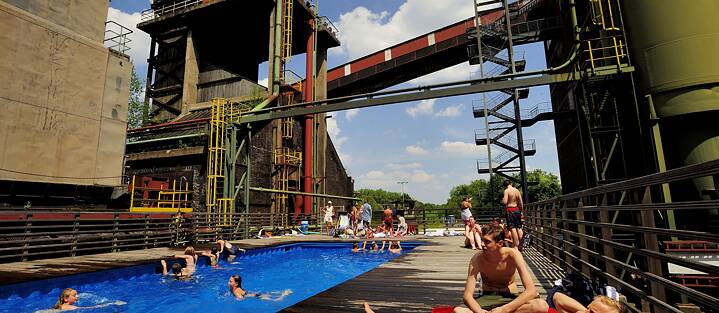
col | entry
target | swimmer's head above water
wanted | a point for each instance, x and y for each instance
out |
(67, 297)
(177, 270)
(235, 281)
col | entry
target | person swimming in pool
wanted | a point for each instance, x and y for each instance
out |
(68, 297)
(178, 271)
(226, 251)
(235, 285)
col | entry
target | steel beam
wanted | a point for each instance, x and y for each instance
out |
(412, 94)
(317, 195)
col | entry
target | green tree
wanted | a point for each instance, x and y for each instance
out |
(473, 189)
(543, 186)
(136, 104)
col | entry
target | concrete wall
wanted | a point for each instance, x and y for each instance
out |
(337, 182)
(63, 98)
(82, 17)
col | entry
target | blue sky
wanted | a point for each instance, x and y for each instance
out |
(428, 143)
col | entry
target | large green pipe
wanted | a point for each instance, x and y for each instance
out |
(264, 103)
(277, 63)
(674, 44)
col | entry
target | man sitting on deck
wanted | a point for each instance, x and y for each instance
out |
(497, 265)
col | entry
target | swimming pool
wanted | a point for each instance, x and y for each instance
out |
(305, 268)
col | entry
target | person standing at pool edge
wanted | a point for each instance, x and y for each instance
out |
(512, 200)
(329, 213)
(366, 214)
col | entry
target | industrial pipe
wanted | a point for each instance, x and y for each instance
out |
(308, 166)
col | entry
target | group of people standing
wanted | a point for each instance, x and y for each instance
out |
(499, 261)
(360, 220)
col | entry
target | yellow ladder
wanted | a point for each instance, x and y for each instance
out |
(603, 14)
(215, 155)
(287, 29)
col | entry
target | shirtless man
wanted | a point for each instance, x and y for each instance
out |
(497, 265)
(514, 205)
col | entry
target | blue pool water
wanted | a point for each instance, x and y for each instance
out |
(306, 269)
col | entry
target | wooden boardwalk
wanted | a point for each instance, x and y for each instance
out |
(429, 276)
(17, 272)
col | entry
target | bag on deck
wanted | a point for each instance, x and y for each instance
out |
(578, 288)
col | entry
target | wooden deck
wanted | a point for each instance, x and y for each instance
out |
(429, 276)
(17, 272)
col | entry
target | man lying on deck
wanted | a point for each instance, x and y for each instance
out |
(497, 265)
(558, 302)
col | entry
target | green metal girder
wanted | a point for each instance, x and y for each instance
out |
(319, 195)
(422, 93)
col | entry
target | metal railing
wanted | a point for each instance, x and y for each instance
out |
(605, 52)
(618, 233)
(323, 22)
(540, 108)
(40, 234)
(116, 37)
(27, 235)
(168, 8)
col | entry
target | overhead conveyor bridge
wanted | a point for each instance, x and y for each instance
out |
(438, 49)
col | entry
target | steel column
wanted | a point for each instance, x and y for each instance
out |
(309, 125)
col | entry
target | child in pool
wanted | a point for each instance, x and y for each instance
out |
(235, 285)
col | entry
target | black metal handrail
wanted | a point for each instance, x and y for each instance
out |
(608, 231)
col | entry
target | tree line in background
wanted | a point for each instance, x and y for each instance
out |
(543, 185)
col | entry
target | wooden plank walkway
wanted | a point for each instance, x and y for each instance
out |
(17, 272)
(429, 276)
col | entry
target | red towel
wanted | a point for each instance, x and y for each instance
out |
(443, 309)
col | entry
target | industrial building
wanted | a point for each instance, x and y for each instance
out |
(633, 101)
(64, 103)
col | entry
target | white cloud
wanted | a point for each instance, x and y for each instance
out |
(360, 27)
(462, 71)
(351, 113)
(416, 150)
(263, 82)
(450, 111)
(399, 166)
(140, 44)
(375, 174)
(420, 176)
(334, 131)
(424, 107)
(459, 148)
